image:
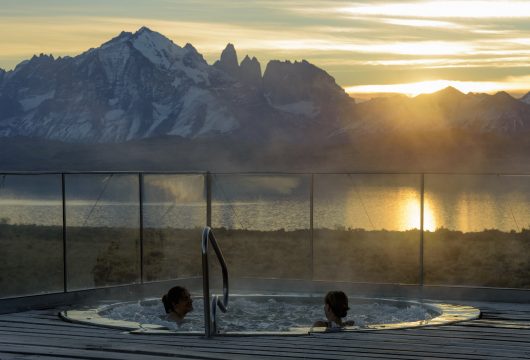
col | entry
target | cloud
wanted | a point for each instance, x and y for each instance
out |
(423, 23)
(350, 39)
(443, 9)
(73, 35)
(434, 63)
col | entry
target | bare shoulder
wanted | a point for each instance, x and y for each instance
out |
(320, 323)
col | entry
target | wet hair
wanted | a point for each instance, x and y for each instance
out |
(173, 296)
(338, 302)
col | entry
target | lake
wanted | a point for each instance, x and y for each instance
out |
(272, 202)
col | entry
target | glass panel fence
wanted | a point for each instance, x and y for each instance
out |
(262, 223)
(174, 211)
(31, 235)
(102, 228)
(366, 228)
(479, 232)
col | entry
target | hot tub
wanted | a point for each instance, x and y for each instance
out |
(291, 314)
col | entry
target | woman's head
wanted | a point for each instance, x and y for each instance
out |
(337, 301)
(178, 300)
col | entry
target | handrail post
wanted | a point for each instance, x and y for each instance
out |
(208, 184)
(206, 284)
(63, 199)
(141, 201)
(311, 225)
(209, 312)
(422, 219)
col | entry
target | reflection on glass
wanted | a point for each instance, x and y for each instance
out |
(31, 240)
(366, 227)
(262, 224)
(174, 215)
(409, 215)
(102, 219)
(480, 237)
(370, 202)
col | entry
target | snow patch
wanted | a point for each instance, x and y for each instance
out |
(198, 105)
(114, 59)
(158, 49)
(133, 129)
(75, 128)
(192, 100)
(304, 108)
(176, 83)
(113, 115)
(218, 120)
(161, 111)
(197, 75)
(31, 102)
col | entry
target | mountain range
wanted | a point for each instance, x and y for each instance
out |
(141, 94)
(142, 85)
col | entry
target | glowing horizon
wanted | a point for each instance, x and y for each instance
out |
(432, 86)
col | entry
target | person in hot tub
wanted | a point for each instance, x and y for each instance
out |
(177, 303)
(335, 308)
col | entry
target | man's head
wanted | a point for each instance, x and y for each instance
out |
(178, 300)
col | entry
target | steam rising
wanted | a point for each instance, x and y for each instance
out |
(175, 188)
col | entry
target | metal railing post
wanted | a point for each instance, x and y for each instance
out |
(141, 201)
(422, 215)
(63, 194)
(208, 184)
(210, 322)
(206, 288)
(311, 224)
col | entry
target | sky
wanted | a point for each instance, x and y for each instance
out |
(369, 47)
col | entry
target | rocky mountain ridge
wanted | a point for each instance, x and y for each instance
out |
(139, 101)
(446, 109)
(142, 85)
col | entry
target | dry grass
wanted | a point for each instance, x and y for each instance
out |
(32, 256)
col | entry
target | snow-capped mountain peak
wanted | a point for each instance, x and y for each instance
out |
(122, 37)
(160, 50)
(140, 85)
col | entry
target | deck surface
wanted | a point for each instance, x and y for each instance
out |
(503, 332)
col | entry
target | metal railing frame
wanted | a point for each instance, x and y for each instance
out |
(210, 312)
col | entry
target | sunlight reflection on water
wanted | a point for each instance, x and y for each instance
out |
(367, 202)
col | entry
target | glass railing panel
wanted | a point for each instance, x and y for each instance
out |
(262, 224)
(480, 234)
(174, 211)
(366, 228)
(102, 228)
(31, 237)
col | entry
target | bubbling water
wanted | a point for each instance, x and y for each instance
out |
(266, 313)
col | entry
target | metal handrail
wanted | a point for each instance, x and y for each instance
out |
(210, 312)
